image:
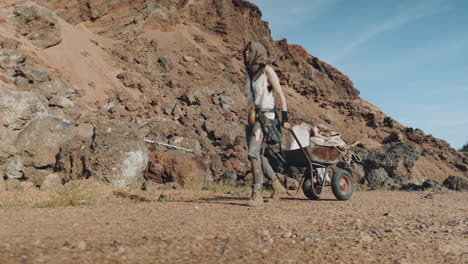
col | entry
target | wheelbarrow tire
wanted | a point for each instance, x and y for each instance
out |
(342, 185)
(307, 187)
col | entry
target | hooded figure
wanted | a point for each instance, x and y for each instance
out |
(257, 60)
(262, 84)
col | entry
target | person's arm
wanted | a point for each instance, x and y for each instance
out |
(273, 80)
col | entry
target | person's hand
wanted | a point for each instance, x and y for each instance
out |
(285, 120)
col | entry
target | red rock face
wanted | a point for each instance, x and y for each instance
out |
(176, 67)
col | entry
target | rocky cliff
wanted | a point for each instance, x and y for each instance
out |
(84, 83)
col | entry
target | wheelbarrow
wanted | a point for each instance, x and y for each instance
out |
(319, 161)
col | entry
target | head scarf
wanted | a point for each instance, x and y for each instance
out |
(258, 58)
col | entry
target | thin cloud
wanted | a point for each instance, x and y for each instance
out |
(406, 15)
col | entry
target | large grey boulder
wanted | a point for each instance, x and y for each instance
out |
(37, 24)
(18, 107)
(39, 142)
(118, 154)
(396, 159)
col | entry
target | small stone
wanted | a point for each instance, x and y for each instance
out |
(81, 245)
(366, 239)
(162, 198)
(15, 168)
(429, 196)
(61, 101)
(188, 59)
(287, 234)
(387, 214)
(265, 233)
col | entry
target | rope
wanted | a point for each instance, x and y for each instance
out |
(349, 154)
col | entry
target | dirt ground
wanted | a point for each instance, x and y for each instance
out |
(207, 227)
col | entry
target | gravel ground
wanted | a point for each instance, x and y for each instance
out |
(206, 227)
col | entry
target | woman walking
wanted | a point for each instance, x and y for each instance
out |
(262, 84)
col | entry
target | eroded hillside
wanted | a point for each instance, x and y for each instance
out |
(84, 83)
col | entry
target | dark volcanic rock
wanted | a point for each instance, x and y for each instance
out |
(378, 178)
(397, 160)
(456, 183)
(426, 185)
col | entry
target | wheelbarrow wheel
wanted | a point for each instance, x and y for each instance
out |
(342, 185)
(307, 187)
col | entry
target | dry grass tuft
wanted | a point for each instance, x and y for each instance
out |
(220, 187)
(74, 193)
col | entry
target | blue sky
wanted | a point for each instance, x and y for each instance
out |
(409, 58)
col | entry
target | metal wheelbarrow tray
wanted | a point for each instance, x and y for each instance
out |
(314, 157)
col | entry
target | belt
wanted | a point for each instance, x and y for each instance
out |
(265, 110)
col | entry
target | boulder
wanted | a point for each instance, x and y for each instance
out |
(426, 185)
(61, 102)
(229, 178)
(26, 77)
(18, 107)
(456, 183)
(7, 149)
(52, 182)
(118, 154)
(56, 87)
(182, 169)
(15, 169)
(8, 43)
(129, 79)
(11, 59)
(37, 24)
(39, 143)
(378, 178)
(166, 63)
(161, 65)
(397, 159)
(72, 157)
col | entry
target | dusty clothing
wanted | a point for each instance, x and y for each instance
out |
(255, 145)
(262, 97)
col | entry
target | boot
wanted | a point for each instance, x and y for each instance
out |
(256, 199)
(278, 190)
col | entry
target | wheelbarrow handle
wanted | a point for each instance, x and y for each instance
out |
(311, 166)
(302, 148)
